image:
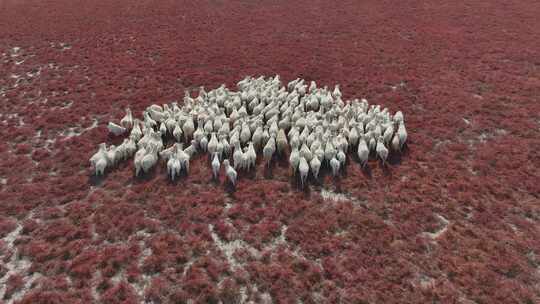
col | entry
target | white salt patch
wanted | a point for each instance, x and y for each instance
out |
(32, 74)
(243, 294)
(76, 131)
(339, 197)
(15, 265)
(329, 194)
(93, 232)
(15, 51)
(18, 295)
(485, 136)
(71, 132)
(119, 276)
(94, 125)
(440, 231)
(466, 121)
(229, 248)
(49, 142)
(67, 105)
(472, 171)
(478, 96)
(501, 132)
(53, 66)
(318, 297)
(514, 227)
(64, 46)
(265, 297)
(424, 282)
(440, 143)
(397, 86)
(3, 181)
(281, 238)
(10, 238)
(144, 280)
(95, 278)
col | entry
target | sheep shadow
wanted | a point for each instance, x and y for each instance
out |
(338, 185)
(230, 188)
(386, 169)
(365, 169)
(295, 183)
(278, 161)
(177, 179)
(268, 171)
(144, 177)
(249, 174)
(96, 180)
(213, 181)
(395, 157)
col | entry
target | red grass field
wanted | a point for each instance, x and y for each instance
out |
(455, 220)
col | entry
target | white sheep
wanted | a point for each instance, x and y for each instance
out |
(116, 129)
(231, 173)
(315, 122)
(251, 155)
(136, 132)
(162, 129)
(238, 156)
(173, 167)
(335, 165)
(188, 128)
(127, 120)
(100, 165)
(363, 151)
(213, 144)
(396, 146)
(101, 153)
(382, 151)
(268, 150)
(303, 168)
(281, 141)
(402, 134)
(315, 165)
(215, 165)
(341, 157)
(150, 159)
(138, 160)
(177, 132)
(294, 159)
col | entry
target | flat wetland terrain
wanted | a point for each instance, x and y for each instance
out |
(454, 219)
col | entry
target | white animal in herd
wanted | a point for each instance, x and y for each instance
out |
(311, 125)
(116, 129)
(382, 151)
(215, 165)
(303, 168)
(231, 173)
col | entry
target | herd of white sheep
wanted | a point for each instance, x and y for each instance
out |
(313, 125)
